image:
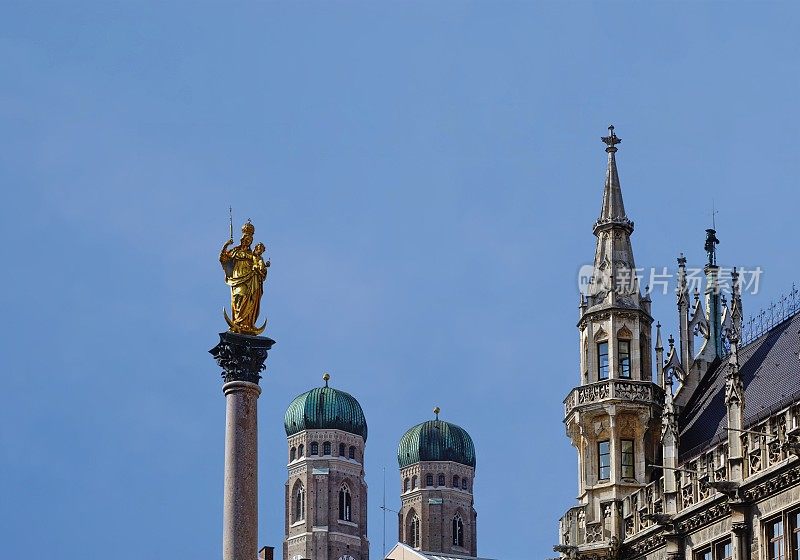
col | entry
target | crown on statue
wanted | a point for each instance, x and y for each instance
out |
(248, 228)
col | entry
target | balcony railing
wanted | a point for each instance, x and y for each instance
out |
(614, 389)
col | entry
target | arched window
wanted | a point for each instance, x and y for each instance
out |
(314, 448)
(429, 480)
(299, 503)
(352, 453)
(326, 448)
(441, 480)
(455, 481)
(293, 454)
(458, 531)
(342, 450)
(412, 535)
(300, 450)
(406, 484)
(414, 482)
(345, 513)
(464, 484)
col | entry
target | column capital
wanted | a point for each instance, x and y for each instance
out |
(241, 356)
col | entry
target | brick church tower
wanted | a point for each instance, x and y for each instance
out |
(437, 469)
(326, 494)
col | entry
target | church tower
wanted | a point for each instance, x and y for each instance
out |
(613, 416)
(326, 494)
(437, 470)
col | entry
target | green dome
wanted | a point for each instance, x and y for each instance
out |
(436, 440)
(325, 408)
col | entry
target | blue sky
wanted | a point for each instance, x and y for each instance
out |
(425, 177)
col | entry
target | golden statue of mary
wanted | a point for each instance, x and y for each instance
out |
(245, 272)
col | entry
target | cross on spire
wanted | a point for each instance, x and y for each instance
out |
(714, 213)
(611, 140)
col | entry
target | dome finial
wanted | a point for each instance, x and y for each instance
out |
(436, 411)
(325, 377)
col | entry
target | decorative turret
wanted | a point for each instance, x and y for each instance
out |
(734, 387)
(713, 305)
(705, 320)
(326, 494)
(614, 416)
(437, 469)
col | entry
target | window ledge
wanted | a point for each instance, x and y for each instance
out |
(348, 523)
(298, 523)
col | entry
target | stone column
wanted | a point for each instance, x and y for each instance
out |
(241, 358)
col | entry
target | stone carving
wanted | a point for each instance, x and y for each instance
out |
(614, 389)
(594, 533)
(241, 357)
(775, 484)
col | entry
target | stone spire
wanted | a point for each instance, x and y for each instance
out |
(614, 280)
(659, 357)
(613, 209)
(734, 387)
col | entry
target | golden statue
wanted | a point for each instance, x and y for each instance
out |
(245, 272)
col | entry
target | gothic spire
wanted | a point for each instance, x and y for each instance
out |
(613, 209)
(615, 280)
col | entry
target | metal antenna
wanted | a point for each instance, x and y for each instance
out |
(383, 507)
(714, 213)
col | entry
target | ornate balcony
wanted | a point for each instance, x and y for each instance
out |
(644, 392)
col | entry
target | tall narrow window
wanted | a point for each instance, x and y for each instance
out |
(794, 519)
(628, 470)
(326, 448)
(342, 450)
(624, 353)
(352, 453)
(345, 513)
(775, 540)
(604, 460)
(724, 551)
(464, 483)
(458, 531)
(644, 374)
(301, 450)
(413, 531)
(314, 448)
(299, 506)
(455, 481)
(293, 454)
(414, 482)
(602, 360)
(406, 484)
(429, 480)
(441, 480)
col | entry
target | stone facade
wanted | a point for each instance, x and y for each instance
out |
(705, 471)
(326, 497)
(437, 512)
(707, 518)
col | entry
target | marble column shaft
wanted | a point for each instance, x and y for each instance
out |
(240, 503)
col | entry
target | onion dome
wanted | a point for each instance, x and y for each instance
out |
(325, 408)
(436, 440)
